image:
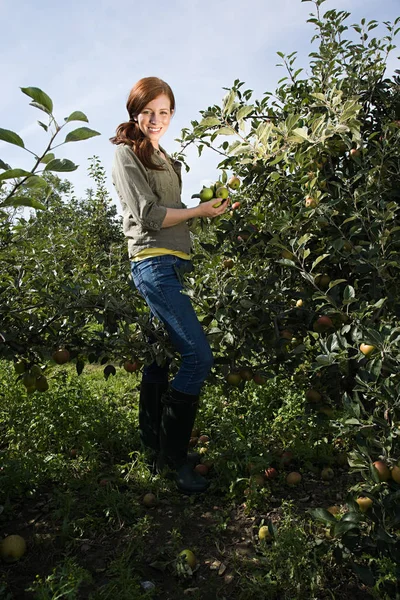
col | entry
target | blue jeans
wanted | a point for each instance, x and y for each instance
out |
(159, 280)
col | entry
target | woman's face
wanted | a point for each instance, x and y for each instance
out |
(155, 117)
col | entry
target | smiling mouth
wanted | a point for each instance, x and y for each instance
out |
(152, 130)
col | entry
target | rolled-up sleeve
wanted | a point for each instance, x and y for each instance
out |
(130, 181)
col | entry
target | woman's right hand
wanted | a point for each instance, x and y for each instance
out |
(207, 209)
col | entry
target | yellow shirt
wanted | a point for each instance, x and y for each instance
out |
(149, 252)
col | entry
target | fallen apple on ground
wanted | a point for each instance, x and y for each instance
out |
(12, 548)
(293, 478)
(189, 558)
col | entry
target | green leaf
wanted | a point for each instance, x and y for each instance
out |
(14, 174)
(82, 133)
(228, 103)
(4, 165)
(321, 514)
(47, 158)
(60, 165)
(364, 573)
(225, 131)
(11, 137)
(209, 122)
(40, 107)
(244, 111)
(77, 115)
(336, 282)
(342, 527)
(23, 201)
(39, 97)
(318, 260)
(45, 127)
(301, 132)
(348, 293)
(35, 181)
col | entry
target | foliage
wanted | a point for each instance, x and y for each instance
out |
(316, 235)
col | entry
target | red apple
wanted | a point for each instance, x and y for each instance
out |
(271, 473)
(323, 324)
(201, 469)
(61, 356)
(382, 470)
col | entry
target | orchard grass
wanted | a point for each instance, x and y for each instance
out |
(73, 479)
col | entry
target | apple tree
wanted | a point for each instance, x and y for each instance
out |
(304, 276)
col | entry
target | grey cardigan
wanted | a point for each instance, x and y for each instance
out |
(145, 195)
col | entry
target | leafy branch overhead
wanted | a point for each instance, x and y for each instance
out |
(20, 181)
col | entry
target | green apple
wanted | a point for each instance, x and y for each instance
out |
(222, 192)
(206, 194)
(234, 183)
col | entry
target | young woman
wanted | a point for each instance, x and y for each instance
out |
(155, 222)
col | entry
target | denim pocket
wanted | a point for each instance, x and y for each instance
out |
(182, 268)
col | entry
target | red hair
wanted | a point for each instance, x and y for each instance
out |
(143, 92)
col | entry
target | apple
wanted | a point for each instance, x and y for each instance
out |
(313, 395)
(327, 410)
(334, 510)
(299, 303)
(201, 469)
(310, 202)
(395, 472)
(193, 441)
(324, 282)
(206, 194)
(327, 474)
(382, 470)
(354, 152)
(259, 378)
(286, 458)
(264, 533)
(293, 478)
(246, 374)
(258, 480)
(271, 473)
(61, 356)
(12, 548)
(323, 324)
(234, 183)
(131, 366)
(366, 349)
(41, 384)
(149, 500)
(20, 367)
(235, 205)
(228, 263)
(286, 334)
(364, 503)
(204, 439)
(222, 193)
(287, 254)
(189, 558)
(73, 453)
(195, 432)
(233, 378)
(29, 381)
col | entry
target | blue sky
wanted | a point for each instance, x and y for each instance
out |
(86, 56)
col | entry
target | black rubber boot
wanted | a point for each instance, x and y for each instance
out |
(176, 427)
(150, 411)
